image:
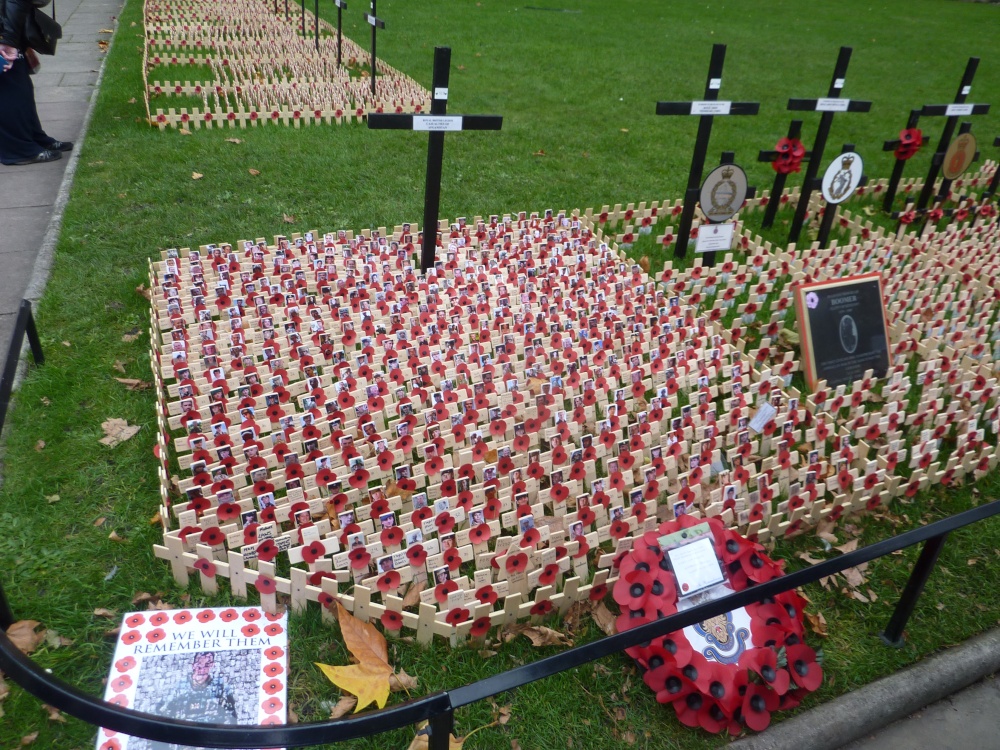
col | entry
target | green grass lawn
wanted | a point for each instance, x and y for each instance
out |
(578, 92)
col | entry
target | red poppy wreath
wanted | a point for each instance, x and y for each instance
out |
(733, 670)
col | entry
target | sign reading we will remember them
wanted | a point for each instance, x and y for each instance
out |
(212, 665)
(843, 329)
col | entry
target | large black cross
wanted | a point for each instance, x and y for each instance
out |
(376, 23)
(995, 182)
(436, 124)
(708, 109)
(953, 112)
(829, 106)
(341, 7)
(778, 187)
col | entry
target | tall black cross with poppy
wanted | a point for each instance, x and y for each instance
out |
(341, 7)
(436, 125)
(829, 106)
(708, 108)
(787, 157)
(376, 23)
(954, 112)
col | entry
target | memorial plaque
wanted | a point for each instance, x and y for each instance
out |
(715, 237)
(723, 192)
(842, 177)
(959, 156)
(843, 329)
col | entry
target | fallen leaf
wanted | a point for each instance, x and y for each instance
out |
(539, 152)
(117, 431)
(159, 606)
(604, 619)
(103, 44)
(28, 739)
(537, 634)
(421, 740)
(100, 521)
(106, 31)
(113, 536)
(402, 682)
(233, 140)
(853, 577)
(848, 546)
(134, 384)
(132, 100)
(66, 343)
(369, 678)
(288, 219)
(54, 713)
(254, 172)
(196, 175)
(141, 289)
(344, 706)
(128, 338)
(491, 456)
(22, 634)
(40, 446)
(45, 401)
(808, 558)
(52, 499)
(104, 612)
(184, 131)
(624, 130)
(644, 263)
(412, 597)
(939, 605)
(817, 622)
(972, 561)
(119, 366)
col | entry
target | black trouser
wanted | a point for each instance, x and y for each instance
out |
(21, 134)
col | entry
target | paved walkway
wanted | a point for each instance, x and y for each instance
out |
(30, 196)
(31, 203)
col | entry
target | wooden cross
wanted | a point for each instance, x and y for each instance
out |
(995, 182)
(794, 132)
(341, 7)
(707, 109)
(376, 23)
(829, 105)
(436, 124)
(953, 112)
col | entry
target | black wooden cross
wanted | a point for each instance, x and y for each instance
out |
(708, 109)
(436, 124)
(376, 23)
(778, 187)
(341, 7)
(953, 112)
(829, 106)
(897, 169)
(995, 182)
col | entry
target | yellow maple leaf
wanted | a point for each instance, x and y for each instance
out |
(369, 678)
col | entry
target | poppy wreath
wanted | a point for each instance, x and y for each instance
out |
(749, 672)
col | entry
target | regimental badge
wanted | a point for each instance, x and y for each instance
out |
(723, 192)
(726, 642)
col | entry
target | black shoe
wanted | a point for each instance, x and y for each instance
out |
(61, 146)
(42, 157)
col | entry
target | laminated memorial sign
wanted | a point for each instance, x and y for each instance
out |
(223, 665)
(843, 329)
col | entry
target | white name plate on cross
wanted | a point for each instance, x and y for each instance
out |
(715, 237)
(959, 110)
(430, 122)
(832, 105)
(710, 108)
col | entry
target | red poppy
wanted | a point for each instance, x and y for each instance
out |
(442, 590)
(267, 550)
(153, 636)
(275, 652)
(135, 620)
(265, 584)
(159, 618)
(126, 664)
(272, 705)
(388, 581)
(392, 620)
(541, 608)
(516, 563)
(417, 555)
(183, 616)
(457, 616)
(480, 627)
(359, 557)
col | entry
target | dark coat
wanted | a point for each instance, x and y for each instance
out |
(13, 17)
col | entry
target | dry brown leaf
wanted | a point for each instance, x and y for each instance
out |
(45, 401)
(402, 682)
(104, 612)
(817, 622)
(604, 619)
(644, 263)
(503, 715)
(421, 740)
(629, 737)
(22, 634)
(808, 558)
(40, 446)
(288, 219)
(972, 561)
(939, 605)
(159, 605)
(412, 597)
(142, 290)
(54, 713)
(537, 634)
(134, 384)
(369, 678)
(66, 343)
(196, 175)
(254, 172)
(872, 595)
(128, 338)
(54, 640)
(100, 521)
(344, 706)
(184, 131)
(119, 366)
(117, 431)
(539, 152)
(491, 456)
(29, 739)
(113, 536)
(848, 546)
(106, 31)
(853, 577)
(233, 140)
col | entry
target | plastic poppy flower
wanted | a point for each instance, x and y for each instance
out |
(267, 550)
(392, 620)
(417, 555)
(457, 616)
(359, 557)
(480, 627)
(805, 671)
(541, 608)
(388, 581)
(549, 574)
(265, 584)
(516, 563)
(314, 551)
(442, 590)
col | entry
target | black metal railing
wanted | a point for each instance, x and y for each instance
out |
(438, 709)
(25, 325)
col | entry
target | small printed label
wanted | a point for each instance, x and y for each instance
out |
(437, 123)
(959, 110)
(441, 93)
(715, 237)
(715, 84)
(838, 83)
(966, 90)
(710, 108)
(832, 105)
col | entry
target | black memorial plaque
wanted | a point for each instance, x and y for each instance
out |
(843, 329)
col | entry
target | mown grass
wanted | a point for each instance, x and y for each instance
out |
(578, 92)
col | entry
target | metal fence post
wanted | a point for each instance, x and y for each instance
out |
(893, 633)
(441, 727)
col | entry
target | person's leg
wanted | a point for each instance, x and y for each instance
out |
(19, 125)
